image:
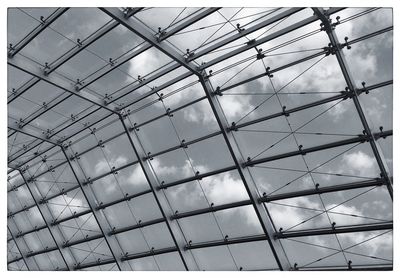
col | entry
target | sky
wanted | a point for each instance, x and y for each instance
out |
(369, 61)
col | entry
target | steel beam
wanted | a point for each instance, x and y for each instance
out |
(322, 190)
(137, 226)
(32, 35)
(336, 230)
(210, 209)
(227, 241)
(153, 252)
(330, 30)
(112, 243)
(251, 188)
(161, 199)
(96, 263)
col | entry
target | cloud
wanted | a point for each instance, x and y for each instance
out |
(359, 163)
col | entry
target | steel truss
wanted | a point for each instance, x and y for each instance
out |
(121, 113)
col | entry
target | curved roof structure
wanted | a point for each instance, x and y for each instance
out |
(199, 138)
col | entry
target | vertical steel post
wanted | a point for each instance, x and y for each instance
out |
(162, 202)
(330, 30)
(251, 188)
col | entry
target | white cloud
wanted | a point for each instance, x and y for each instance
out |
(359, 163)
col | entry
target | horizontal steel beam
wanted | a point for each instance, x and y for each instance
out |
(370, 267)
(197, 177)
(336, 230)
(212, 208)
(322, 190)
(227, 241)
(83, 240)
(137, 226)
(36, 229)
(32, 35)
(16, 259)
(95, 263)
(153, 252)
(73, 216)
(43, 251)
(127, 198)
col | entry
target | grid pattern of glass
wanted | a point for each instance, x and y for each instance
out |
(199, 138)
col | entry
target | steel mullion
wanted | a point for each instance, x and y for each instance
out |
(47, 217)
(49, 20)
(248, 182)
(336, 230)
(100, 218)
(161, 199)
(352, 87)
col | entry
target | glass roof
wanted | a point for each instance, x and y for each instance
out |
(200, 138)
